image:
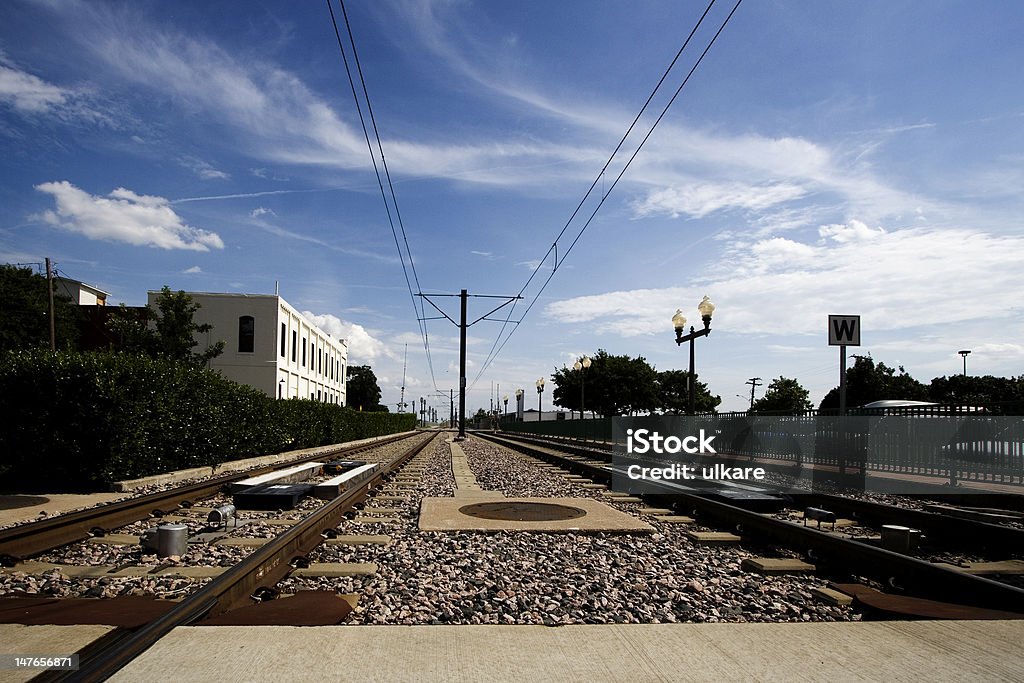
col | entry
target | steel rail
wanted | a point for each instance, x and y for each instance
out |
(26, 540)
(266, 566)
(913, 575)
(952, 531)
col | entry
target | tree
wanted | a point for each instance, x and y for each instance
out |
(867, 382)
(24, 315)
(612, 385)
(361, 390)
(783, 395)
(973, 390)
(167, 332)
(674, 393)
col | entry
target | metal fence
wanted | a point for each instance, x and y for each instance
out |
(956, 443)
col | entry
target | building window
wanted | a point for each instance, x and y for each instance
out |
(303, 353)
(295, 344)
(318, 395)
(320, 361)
(284, 337)
(246, 334)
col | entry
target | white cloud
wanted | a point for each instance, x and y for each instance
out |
(261, 211)
(203, 169)
(362, 346)
(700, 199)
(27, 93)
(896, 279)
(853, 231)
(192, 271)
(30, 95)
(124, 216)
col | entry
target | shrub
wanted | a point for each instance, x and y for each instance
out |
(78, 420)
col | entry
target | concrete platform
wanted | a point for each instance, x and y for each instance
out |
(337, 569)
(869, 651)
(26, 507)
(442, 514)
(44, 640)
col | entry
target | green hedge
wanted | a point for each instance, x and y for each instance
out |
(85, 419)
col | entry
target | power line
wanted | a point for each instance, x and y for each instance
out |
(418, 310)
(554, 247)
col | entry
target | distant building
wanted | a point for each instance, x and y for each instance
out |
(270, 346)
(79, 292)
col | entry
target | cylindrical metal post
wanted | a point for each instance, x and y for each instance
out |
(462, 367)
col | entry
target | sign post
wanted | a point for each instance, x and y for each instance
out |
(843, 331)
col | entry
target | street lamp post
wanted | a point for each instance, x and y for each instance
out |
(964, 353)
(706, 308)
(540, 390)
(504, 417)
(519, 401)
(581, 365)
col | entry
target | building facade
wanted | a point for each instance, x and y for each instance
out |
(270, 346)
(79, 292)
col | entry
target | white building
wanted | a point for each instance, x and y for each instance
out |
(79, 292)
(270, 346)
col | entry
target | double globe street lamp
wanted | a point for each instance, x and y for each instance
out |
(540, 390)
(705, 308)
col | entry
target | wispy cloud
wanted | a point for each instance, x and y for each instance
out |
(203, 169)
(194, 270)
(31, 96)
(700, 199)
(261, 211)
(124, 216)
(899, 279)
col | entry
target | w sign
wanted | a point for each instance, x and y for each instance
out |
(844, 330)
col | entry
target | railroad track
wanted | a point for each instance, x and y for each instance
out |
(28, 540)
(256, 574)
(829, 551)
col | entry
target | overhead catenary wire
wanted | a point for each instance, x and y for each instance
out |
(407, 254)
(605, 193)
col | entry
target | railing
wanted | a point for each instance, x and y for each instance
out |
(956, 443)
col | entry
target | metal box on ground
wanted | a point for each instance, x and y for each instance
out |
(271, 496)
(342, 466)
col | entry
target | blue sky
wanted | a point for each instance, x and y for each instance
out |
(828, 157)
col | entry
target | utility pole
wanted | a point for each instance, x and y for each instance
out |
(463, 326)
(53, 320)
(754, 382)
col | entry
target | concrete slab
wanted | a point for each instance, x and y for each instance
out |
(351, 539)
(15, 508)
(776, 565)
(44, 640)
(443, 514)
(115, 539)
(674, 519)
(712, 537)
(274, 521)
(655, 511)
(595, 487)
(391, 499)
(626, 499)
(832, 597)
(290, 475)
(383, 511)
(334, 570)
(867, 651)
(364, 519)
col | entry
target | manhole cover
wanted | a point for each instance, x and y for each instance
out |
(522, 512)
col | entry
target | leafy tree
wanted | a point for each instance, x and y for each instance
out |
(674, 393)
(783, 395)
(362, 392)
(612, 385)
(867, 382)
(972, 390)
(24, 315)
(167, 332)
